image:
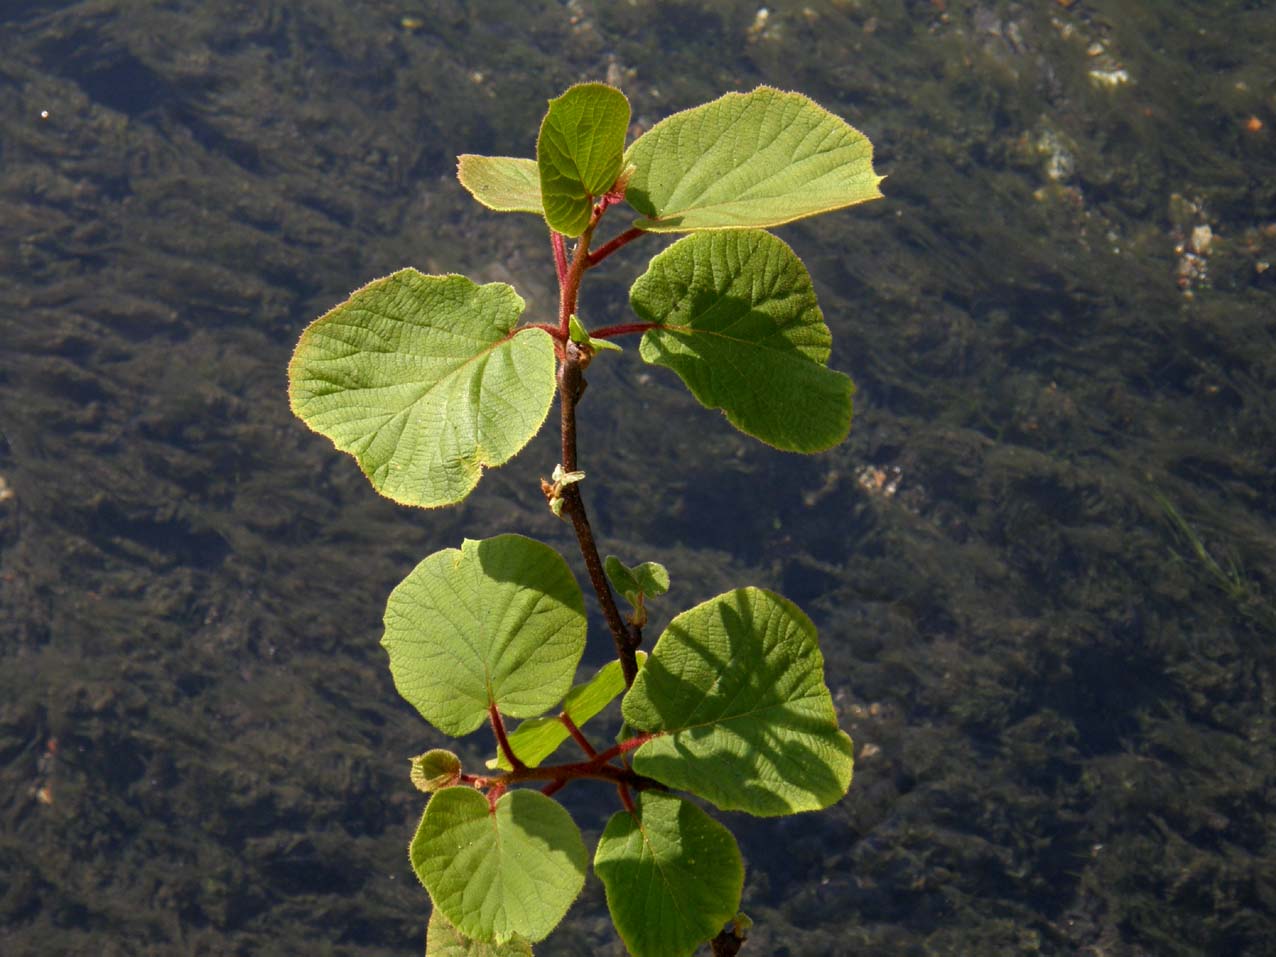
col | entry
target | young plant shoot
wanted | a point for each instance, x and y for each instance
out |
(427, 380)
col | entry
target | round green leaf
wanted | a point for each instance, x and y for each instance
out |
(500, 620)
(506, 184)
(580, 153)
(734, 693)
(424, 381)
(497, 873)
(444, 940)
(673, 875)
(748, 159)
(737, 320)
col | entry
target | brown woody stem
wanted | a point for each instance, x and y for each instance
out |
(571, 384)
(625, 636)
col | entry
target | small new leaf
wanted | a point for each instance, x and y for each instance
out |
(649, 578)
(734, 695)
(506, 184)
(673, 875)
(580, 153)
(563, 478)
(503, 872)
(435, 770)
(581, 336)
(499, 621)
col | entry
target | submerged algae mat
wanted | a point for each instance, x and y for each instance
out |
(1043, 566)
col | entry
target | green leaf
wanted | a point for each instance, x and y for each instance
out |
(580, 335)
(436, 769)
(499, 873)
(424, 381)
(649, 578)
(738, 322)
(580, 152)
(734, 693)
(500, 621)
(673, 875)
(506, 184)
(537, 738)
(444, 940)
(748, 159)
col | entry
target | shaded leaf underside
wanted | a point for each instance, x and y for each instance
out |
(737, 320)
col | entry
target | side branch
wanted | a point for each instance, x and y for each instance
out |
(607, 248)
(623, 329)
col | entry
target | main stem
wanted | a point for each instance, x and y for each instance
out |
(571, 385)
(626, 637)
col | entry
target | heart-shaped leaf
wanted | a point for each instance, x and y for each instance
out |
(580, 153)
(748, 159)
(424, 381)
(734, 695)
(673, 875)
(737, 320)
(500, 621)
(499, 873)
(444, 940)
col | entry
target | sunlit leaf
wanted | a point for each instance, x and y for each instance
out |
(423, 380)
(499, 873)
(506, 184)
(499, 620)
(673, 875)
(748, 159)
(444, 940)
(737, 320)
(734, 693)
(580, 153)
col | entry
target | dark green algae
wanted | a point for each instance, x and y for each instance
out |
(1063, 723)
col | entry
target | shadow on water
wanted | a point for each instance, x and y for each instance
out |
(1058, 320)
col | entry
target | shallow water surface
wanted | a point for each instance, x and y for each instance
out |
(1043, 566)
